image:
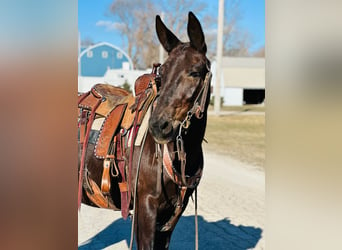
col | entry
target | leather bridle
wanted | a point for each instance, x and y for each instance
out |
(184, 182)
(197, 109)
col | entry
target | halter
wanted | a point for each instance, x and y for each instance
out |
(197, 110)
(184, 182)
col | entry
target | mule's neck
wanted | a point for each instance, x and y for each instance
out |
(196, 131)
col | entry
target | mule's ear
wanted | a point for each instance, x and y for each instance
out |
(195, 34)
(165, 36)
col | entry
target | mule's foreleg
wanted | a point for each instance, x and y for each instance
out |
(146, 219)
(162, 240)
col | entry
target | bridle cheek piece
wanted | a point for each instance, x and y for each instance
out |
(197, 109)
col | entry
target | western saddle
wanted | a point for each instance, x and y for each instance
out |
(116, 117)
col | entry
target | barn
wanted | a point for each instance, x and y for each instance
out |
(95, 60)
(242, 80)
(103, 63)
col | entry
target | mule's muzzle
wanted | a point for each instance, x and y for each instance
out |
(161, 129)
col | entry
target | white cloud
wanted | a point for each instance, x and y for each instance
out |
(109, 25)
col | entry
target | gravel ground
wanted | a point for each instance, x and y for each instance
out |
(231, 211)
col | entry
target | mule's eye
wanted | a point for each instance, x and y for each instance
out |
(195, 74)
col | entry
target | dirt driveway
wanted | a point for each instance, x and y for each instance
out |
(231, 210)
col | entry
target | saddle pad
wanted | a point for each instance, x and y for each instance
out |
(97, 123)
(143, 128)
(108, 129)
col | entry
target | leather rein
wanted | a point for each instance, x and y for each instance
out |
(184, 182)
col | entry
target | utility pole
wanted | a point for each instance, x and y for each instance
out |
(161, 49)
(219, 48)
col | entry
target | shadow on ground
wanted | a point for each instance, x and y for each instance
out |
(212, 235)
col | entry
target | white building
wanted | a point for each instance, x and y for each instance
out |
(116, 77)
(243, 80)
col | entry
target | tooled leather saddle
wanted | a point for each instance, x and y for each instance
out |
(113, 120)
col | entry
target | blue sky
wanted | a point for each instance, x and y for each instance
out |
(91, 11)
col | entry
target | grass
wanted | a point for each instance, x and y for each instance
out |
(240, 136)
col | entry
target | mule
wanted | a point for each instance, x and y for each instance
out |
(167, 167)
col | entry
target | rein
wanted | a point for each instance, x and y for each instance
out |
(184, 182)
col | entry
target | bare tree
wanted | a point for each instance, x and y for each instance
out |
(259, 52)
(87, 42)
(236, 40)
(238, 44)
(135, 21)
(176, 15)
(136, 25)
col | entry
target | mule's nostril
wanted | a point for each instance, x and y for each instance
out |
(164, 125)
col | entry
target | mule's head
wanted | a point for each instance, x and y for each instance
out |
(182, 78)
